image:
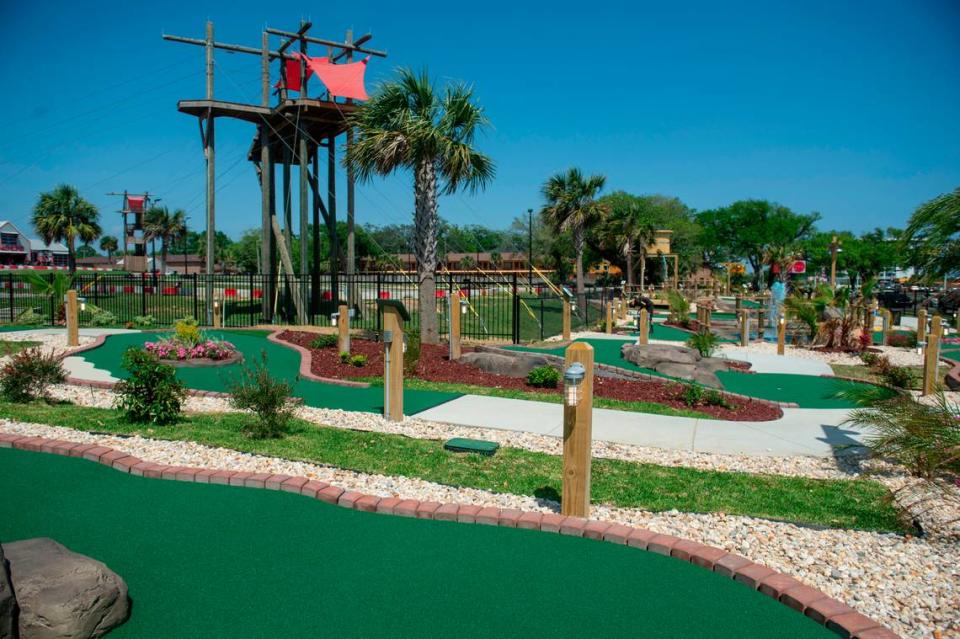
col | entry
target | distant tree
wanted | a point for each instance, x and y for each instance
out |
(109, 244)
(570, 204)
(753, 230)
(629, 229)
(61, 215)
(932, 236)
(407, 124)
(85, 250)
(161, 224)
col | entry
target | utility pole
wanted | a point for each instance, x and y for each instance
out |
(211, 173)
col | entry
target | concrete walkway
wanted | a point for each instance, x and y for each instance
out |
(799, 432)
(771, 363)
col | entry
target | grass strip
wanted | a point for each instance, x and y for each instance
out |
(12, 347)
(868, 374)
(856, 503)
(551, 398)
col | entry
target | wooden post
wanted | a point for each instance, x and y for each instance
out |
(922, 325)
(623, 308)
(706, 317)
(931, 360)
(217, 314)
(343, 329)
(744, 327)
(887, 325)
(739, 299)
(578, 437)
(566, 320)
(609, 318)
(393, 366)
(454, 310)
(760, 319)
(332, 213)
(72, 312)
(956, 321)
(781, 335)
(209, 153)
(644, 327)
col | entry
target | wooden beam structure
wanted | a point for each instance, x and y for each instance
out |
(290, 131)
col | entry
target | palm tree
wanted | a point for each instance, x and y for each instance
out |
(408, 124)
(109, 244)
(629, 227)
(932, 236)
(571, 205)
(161, 224)
(61, 215)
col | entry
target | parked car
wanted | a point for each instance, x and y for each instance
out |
(894, 300)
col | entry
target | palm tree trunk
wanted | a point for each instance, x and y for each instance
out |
(629, 254)
(425, 247)
(163, 257)
(643, 269)
(578, 247)
(71, 256)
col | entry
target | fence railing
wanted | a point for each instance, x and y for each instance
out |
(505, 308)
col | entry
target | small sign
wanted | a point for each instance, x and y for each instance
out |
(799, 267)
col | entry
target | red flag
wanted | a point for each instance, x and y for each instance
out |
(342, 80)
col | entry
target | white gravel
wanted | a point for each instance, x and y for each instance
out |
(910, 585)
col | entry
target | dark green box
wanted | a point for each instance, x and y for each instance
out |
(464, 445)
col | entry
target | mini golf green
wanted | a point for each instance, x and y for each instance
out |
(282, 361)
(807, 391)
(206, 560)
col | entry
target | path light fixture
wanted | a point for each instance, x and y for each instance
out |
(572, 382)
(334, 318)
(463, 306)
(387, 342)
(921, 344)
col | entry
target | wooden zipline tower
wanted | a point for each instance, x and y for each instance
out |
(289, 132)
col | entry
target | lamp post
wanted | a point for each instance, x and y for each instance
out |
(530, 248)
(834, 249)
(781, 335)
(577, 429)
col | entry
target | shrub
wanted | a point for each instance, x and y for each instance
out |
(903, 340)
(324, 341)
(28, 375)
(704, 342)
(358, 360)
(898, 377)
(29, 317)
(692, 394)
(187, 331)
(868, 358)
(716, 398)
(411, 358)
(152, 393)
(100, 317)
(543, 377)
(267, 397)
(144, 321)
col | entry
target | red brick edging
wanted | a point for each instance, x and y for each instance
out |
(306, 360)
(835, 615)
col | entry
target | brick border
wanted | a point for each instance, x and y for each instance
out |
(835, 615)
(306, 362)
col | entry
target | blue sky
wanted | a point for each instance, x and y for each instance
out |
(850, 109)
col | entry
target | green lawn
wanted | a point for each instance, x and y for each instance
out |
(11, 347)
(205, 560)
(834, 503)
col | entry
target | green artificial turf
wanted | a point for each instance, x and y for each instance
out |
(834, 503)
(218, 561)
(282, 361)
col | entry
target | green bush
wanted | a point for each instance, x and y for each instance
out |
(868, 358)
(716, 398)
(704, 342)
(29, 317)
(324, 341)
(358, 360)
(152, 393)
(100, 317)
(187, 331)
(898, 377)
(412, 356)
(679, 308)
(543, 377)
(144, 321)
(691, 395)
(267, 397)
(28, 375)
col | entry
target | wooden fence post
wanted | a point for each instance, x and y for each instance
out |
(578, 435)
(73, 318)
(922, 325)
(566, 320)
(781, 335)
(887, 325)
(931, 360)
(643, 327)
(393, 366)
(343, 328)
(609, 318)
(744, 327)
(454, 310)
(739, 302)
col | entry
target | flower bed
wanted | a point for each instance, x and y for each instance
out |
(208, 351)
(434, 366)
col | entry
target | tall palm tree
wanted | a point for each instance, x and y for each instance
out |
(571, 205)
(409, 124)
(628, 228)
(109, 244)
(61, 215)
(160, 224)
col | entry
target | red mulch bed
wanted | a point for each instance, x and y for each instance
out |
(434, 366)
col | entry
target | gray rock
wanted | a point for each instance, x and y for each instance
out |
(650, 355)
(712, 364)
(673, 369)
(509, 365)
(707, 378)
(62, 594)
(8, 604)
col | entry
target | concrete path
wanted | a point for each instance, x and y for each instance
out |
(771, 363)
(75, 365)
(799, 432)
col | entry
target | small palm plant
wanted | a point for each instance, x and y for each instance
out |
(679, 307)
(53, 285)
(704, 342)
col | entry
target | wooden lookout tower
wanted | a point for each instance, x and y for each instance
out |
(134, 206)
(300, 134)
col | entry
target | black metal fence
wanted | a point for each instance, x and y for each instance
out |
(505, 307)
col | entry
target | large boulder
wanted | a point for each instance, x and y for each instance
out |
(64, 595)
(510, 365)
(651, 355)
(8, 604)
